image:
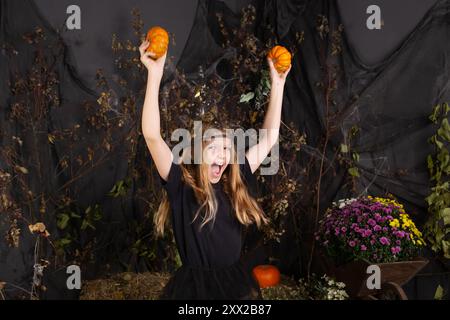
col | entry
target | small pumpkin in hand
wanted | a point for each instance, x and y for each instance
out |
(266, 275)
(159, 41)
(281, 58)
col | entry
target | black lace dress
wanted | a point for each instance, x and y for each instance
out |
(211, 266)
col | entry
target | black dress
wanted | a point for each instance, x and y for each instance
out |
(211, 266)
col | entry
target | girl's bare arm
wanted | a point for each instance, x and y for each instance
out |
(159, 150)
(271, 126)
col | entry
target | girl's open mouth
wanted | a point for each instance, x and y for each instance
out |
(216, 169)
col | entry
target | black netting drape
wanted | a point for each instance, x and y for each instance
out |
(23, 45)
(63, 148)
(380, 110)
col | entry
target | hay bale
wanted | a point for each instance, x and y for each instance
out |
(125, 286)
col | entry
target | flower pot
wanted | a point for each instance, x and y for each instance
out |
(354, 274)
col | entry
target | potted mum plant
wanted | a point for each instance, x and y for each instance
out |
(365, 231)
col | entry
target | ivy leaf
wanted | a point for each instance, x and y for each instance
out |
(445, 214)
(438, 143)
(434, 115)
(444, 130)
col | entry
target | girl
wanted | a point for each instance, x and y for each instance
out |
(208, 203)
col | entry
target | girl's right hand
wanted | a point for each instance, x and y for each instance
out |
(154, 67)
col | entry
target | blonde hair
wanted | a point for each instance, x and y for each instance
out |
(246, 208)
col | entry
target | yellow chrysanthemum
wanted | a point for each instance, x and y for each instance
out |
(394, 223)
(404, 220)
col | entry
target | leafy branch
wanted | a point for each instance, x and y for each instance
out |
(437, 228)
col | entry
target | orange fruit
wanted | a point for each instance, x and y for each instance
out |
(281, 58)
(159, 41)
(266, 275)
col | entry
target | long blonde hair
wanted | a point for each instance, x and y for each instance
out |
(246, 208)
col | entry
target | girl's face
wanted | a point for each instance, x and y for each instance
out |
(217, 156)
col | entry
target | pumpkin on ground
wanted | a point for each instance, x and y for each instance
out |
(159, 41)
(266, 275)
(281, 58)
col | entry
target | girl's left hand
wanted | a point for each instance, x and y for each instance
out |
(276, 77)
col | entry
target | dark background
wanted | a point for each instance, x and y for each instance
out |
(90, 49)
(91, 46)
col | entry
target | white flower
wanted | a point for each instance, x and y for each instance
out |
(343, 202)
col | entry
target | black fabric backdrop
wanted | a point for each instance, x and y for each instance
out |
(389, 101)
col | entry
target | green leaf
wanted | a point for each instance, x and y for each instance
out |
(446, 248)
(445, 215)
(63, 220)
(443, 131)
(435, 113)
(444, 134)
(120, 188)
(247, 97)
(64, 242)
(344, 148)
(74, 215)
(353, 172)
(445, 125)
(86, 224)
(446, 108)
(178, 262)
(444, 159)
(267, 83)
(430, 163)
(439, 294)
(438, 143)
(97, 213)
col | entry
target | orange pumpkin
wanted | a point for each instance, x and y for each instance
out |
(281, 58)
(266, 275)
(159, 41)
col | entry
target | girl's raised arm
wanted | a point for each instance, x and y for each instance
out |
(268, 137)
(160, 151)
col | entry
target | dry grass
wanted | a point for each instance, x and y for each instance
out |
(125, 286)
(147, 286)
